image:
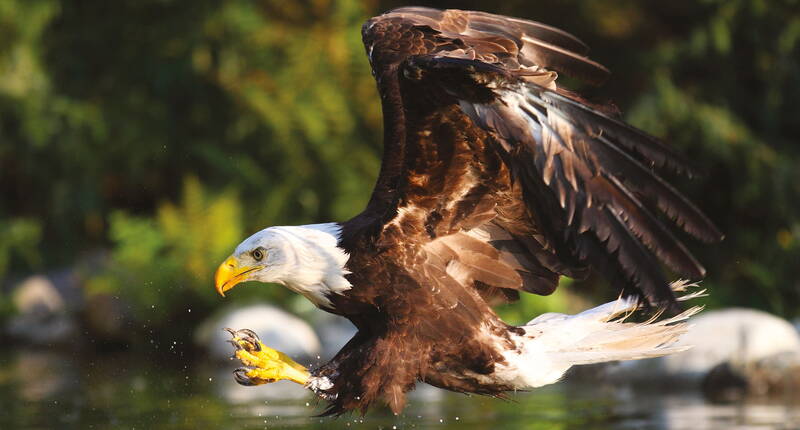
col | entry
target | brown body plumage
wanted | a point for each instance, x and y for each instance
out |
(493, 181)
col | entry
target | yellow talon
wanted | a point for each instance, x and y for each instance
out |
(264, 364)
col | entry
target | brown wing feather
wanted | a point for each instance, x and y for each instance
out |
(582, 173)
(531, 44)
(577, 169)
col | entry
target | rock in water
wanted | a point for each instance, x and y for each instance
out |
(42, 316)
(38, 294)
(277, 328)
(733, 335)
(726, 340)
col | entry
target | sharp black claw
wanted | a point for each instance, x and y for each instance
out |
(240, 375)
(244, 339)
(250, 333)
(251, 340)
(250, 336)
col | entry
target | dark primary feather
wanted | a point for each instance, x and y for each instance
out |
(582, 157)
(572, 191)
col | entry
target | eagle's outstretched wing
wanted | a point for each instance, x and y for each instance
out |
(548, 184)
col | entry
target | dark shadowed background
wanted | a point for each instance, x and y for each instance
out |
(140, 141)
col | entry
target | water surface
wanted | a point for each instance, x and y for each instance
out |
(40, 389)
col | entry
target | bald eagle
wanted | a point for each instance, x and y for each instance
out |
(495, 181)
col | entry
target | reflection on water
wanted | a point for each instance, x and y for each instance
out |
(40, 389)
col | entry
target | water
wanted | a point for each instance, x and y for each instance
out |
(42, 390)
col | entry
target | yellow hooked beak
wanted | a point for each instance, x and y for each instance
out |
(229, 274)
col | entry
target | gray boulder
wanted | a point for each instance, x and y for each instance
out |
(732, 335)
(277, 328)
(726, 339)
(42, 316)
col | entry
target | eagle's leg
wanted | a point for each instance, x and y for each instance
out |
(263, 364)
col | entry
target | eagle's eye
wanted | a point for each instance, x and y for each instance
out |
(258, 253)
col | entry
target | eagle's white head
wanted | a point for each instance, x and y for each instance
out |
(306, 259)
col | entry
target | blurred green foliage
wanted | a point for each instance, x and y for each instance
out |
(169, 130)
(164, 263)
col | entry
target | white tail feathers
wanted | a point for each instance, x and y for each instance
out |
(555, 342)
